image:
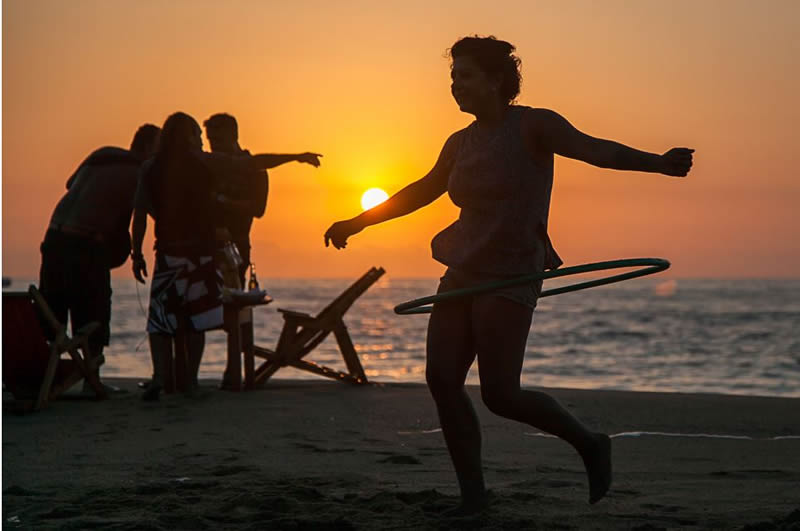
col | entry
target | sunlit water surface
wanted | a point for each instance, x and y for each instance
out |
(720, 336)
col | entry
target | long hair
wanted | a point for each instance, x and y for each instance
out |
(173, 151)
(176, 134)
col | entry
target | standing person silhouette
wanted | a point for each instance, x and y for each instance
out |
(243, 196)
(88, 236)
(246, 196)
(499, 171)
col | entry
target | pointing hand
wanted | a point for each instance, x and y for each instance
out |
(309, 158)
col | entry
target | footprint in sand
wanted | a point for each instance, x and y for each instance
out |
(663, 508)
(625, 492)
(750, 474)
(559, 483)
(398, 459)
(319, 449)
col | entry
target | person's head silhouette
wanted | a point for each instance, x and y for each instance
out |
(180, 133)
(145, 141)
(485, 72)
(222, 132)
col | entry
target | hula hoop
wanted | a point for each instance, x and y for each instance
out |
(649, 266)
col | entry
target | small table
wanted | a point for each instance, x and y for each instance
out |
(238, 323)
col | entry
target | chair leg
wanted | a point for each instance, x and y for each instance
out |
(264, 372)
(248, 355)
(92, 376)
(233, 368)
(279, 356)
(327, 372)
(47, 381)
(86, 365)
(349, 351)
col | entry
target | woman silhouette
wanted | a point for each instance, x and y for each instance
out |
(499, 171)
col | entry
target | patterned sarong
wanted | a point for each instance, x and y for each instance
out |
(186, 291)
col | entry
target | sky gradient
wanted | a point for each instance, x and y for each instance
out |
(367, 85)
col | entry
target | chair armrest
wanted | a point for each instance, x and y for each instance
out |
(293, 314)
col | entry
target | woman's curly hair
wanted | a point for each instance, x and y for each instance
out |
(495, 58)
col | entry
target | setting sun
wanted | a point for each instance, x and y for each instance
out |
(373, 197)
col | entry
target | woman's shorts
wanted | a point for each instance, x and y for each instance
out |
(525, 294)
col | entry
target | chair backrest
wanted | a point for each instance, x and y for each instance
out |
(342, 303)
(26, 351)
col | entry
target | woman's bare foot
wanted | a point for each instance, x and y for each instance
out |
(597, 461)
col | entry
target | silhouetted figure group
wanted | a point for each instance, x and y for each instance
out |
(498, 171)
(202, 205)
(197, 200)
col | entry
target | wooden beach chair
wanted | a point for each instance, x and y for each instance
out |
(302, 333)
(33, 370)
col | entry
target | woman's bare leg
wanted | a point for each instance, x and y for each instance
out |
(450, 353)
(500, 330)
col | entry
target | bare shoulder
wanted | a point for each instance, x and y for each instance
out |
(454, 140)
(452, 145)
(447, 158)
(540, 120)
(538, 127)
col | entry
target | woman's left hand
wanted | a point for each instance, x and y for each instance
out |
(676, 162)
(338, 233)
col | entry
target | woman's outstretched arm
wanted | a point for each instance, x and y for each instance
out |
(413, 197)
(548, 132)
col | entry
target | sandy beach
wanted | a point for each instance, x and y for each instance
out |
(323, 455)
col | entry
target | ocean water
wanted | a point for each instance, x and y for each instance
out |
(650, 334)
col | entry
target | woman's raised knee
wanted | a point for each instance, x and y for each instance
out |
(500, 400)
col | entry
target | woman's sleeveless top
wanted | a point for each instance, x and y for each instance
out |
(504, 196)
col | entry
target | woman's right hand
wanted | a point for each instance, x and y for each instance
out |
(139, 267)
(340, 231)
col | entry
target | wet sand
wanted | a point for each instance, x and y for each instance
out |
(326, 455)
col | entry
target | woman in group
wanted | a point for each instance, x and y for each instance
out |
(180, 189)
(499, 171)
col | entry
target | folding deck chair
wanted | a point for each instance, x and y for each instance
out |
(302, 333)
(33, 370)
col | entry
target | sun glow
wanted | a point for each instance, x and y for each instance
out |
(373, 197)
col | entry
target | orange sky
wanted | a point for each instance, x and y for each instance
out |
(367, 84)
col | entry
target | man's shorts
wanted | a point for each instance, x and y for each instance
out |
(186, 292)
(75, 280)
